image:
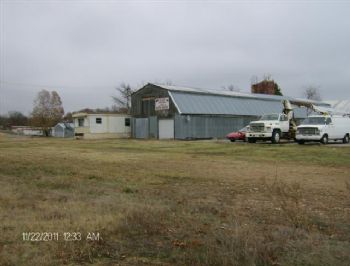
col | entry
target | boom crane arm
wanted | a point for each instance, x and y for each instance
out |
(287, 105)
(288, 111)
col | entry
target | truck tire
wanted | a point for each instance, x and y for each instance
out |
(301, 142)
(324, 139)
(276, 136)
(251, 140)
(346, 139)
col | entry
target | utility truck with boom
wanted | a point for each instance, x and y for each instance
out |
(274, 127)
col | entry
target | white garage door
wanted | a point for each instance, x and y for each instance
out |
(166, 129)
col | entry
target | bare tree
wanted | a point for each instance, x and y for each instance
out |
(169, 82)
(13, 118)
(231, 87)
(3, 122)
(16, 118)
(47, 111)
(68, 117)
(312, 93)
(267, 77)
(123, 100)
(254, 79)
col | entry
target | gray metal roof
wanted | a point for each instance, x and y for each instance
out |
(216, 102)
(236, 94)
(187, 103)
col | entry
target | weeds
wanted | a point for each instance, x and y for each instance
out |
(129, 190)
(193, 203)
(289, 200)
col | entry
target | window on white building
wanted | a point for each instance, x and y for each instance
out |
(127, 122)
(80, 122)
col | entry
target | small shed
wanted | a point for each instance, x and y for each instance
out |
(63, 130)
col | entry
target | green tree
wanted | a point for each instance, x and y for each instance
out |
(47, 111)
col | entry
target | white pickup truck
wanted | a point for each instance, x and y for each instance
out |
(322, 128)
(270, 127)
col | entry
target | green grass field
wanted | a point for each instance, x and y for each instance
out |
(173, 202)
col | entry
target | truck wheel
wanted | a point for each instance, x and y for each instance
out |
(276, 136)
(346, 139)
(324, 139)
(232, 140)
(301, 142)
(251, 140)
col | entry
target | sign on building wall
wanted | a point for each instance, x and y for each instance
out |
(162, 103)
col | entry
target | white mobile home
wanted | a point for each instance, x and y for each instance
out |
(27, 130)
(101, 125)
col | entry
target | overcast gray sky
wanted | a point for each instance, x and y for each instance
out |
(84, 49)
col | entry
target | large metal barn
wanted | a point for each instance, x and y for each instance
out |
(172, 112)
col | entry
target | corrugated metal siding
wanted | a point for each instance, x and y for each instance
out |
(153, 127)
(133, 127)
(199, 126)
(141, 128)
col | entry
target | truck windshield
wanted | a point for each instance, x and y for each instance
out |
(270, 117)
(314, 121)
(243, 129)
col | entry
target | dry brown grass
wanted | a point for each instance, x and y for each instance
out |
(174, 203)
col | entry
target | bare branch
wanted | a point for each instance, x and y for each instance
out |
(312, 93)
(123, 99)
(231, 87)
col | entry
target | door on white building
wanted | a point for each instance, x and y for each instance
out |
(166, 129)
